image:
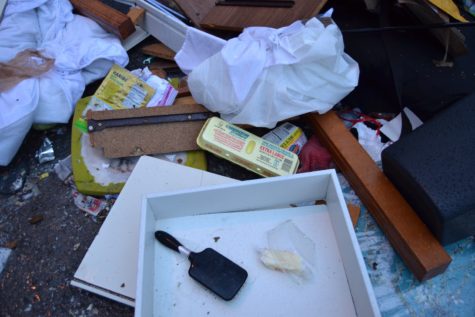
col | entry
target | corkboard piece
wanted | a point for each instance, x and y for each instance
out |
(195, 10)
(147, 139)
(408, 235)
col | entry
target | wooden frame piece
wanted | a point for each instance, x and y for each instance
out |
(110, 19)
(409, 236)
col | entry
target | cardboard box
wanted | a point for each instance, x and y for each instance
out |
(233, 219)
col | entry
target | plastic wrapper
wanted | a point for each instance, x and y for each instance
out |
(268, 75)
(290, 251)
(287, 136)
(45, 152)
(26, 64)
(89, 204)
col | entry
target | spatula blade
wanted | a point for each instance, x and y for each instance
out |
(217, 273)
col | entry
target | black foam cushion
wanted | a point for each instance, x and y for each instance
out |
(434, 169)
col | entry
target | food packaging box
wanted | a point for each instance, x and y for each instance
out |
(246, 149)
(235, 219)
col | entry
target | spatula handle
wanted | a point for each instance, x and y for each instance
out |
(170, 242)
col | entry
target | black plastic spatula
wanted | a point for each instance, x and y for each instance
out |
(211, 269)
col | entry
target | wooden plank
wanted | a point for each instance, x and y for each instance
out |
(409, 236)
(159, 50)
(195, 10)
(235, 18)
(136, 14)
(110, 19)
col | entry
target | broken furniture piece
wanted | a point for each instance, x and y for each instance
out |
(156, 130)
(433, 168)
(258, 3)
(241, 215)
(409, 236)
(208, 15)
(121, 228)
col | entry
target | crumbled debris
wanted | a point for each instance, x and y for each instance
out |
(89, 204)
(35, 219)
(29, 191)
(63, 168)
(76, 246)
(11, 245)
(46, 152)
(216, 239)
(13, 181)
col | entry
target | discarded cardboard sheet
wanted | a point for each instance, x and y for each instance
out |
(135, 140)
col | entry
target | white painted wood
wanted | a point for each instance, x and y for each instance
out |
(340, 285)
(249, 195)
(135, 38)
(111, 262)
(168, 30)
(365, 302)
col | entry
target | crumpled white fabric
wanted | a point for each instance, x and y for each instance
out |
(82, 50)
(267, 75)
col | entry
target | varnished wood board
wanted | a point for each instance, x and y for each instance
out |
(110, 19)
(235, 18)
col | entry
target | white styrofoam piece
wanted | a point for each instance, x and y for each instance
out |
(240, 214)
(109, 267)
(168, 30)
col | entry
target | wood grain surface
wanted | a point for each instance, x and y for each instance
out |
(235, 18)
(110, 19)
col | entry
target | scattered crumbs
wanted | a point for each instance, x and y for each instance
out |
(207, 313)
(11, 245)
(174, 304)
(375, 266)
(35, 219)
(122, 285)
(179, 284)
(216, 239)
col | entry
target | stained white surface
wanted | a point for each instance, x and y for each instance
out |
(109, 267)
(266, 292)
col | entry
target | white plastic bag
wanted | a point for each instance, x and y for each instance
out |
(82, 50)
(267, 75)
